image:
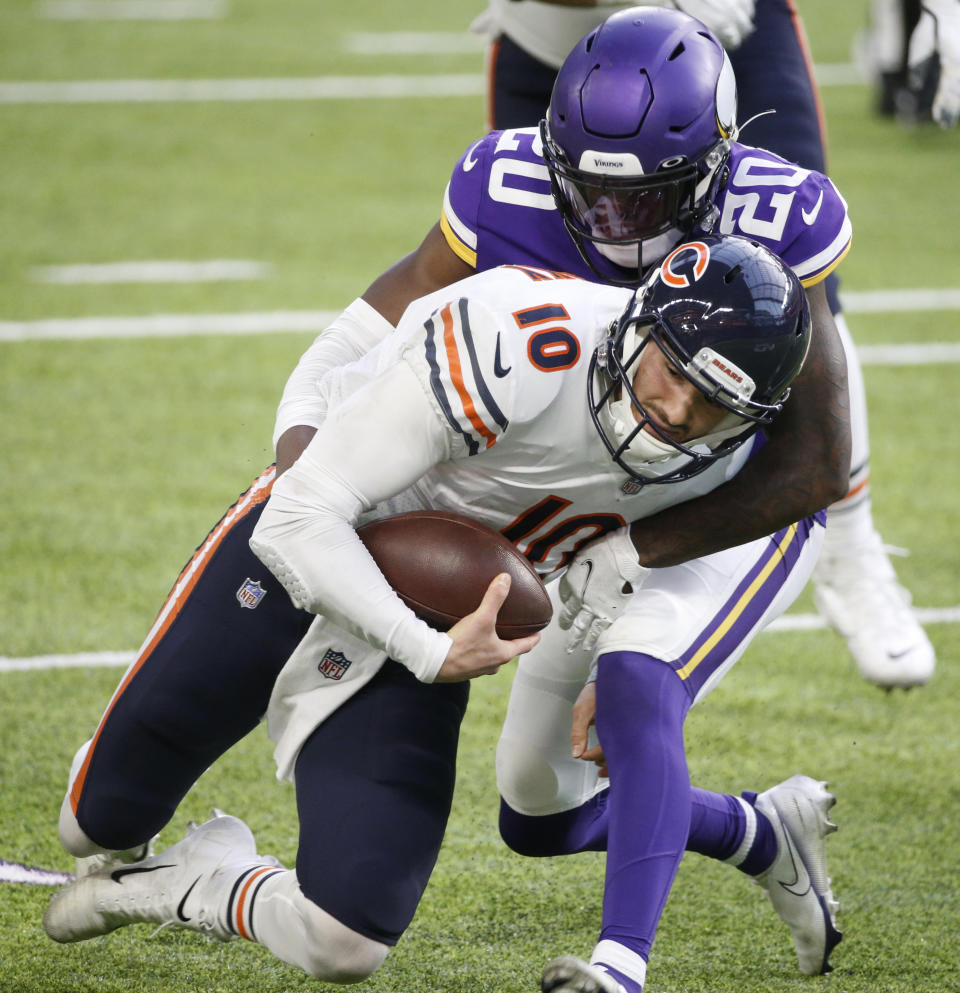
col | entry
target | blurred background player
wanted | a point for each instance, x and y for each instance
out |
(855, 585)
(911, 51)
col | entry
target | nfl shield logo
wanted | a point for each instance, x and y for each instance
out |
(334, 664)
(631, 487)
(250, 594)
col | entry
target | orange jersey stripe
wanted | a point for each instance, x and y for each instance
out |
(456, 375)
(187, 580)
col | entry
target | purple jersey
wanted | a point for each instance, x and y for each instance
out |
(498, 209)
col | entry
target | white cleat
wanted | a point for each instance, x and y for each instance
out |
(157, 889)
(797, 882)
(859, 596)
(568, 974)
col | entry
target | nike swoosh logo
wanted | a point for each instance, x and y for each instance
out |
(498, 369)
(468, 160)
(118, 874)
(900, 655)
(586, 579)
(810, 217)
(801, 883)
(180, 915)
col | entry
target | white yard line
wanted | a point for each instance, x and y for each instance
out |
(167, 271)
(13, 872)
(789, 622)
(166, 325)
(838, 74)
(315, 321)
(82, 660)
(890, 301)
(131, 10)
(412, 43)
(211, 90)
(932, 353)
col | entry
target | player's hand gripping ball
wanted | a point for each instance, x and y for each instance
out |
(441, 565)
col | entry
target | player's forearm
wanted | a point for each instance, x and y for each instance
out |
(764, 497)
(302, 407)
(306, 535)
(290, 446)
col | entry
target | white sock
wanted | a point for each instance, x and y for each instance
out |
(278, 916)
(849, 529)
(621, 958)
(749, 833)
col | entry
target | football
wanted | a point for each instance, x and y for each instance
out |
(441, 565)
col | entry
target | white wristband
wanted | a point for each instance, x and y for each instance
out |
(357, 330)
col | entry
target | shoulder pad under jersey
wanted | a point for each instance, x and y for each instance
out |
(497, 348)
(798, 214)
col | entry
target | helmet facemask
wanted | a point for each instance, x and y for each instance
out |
(730, 318)
(632, 219)
(634, 439)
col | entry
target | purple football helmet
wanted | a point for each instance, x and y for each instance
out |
(637, 130)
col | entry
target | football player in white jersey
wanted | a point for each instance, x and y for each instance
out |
(658, 395)
(855, 586)
(229, 623)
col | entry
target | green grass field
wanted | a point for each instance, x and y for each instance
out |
(119, 454)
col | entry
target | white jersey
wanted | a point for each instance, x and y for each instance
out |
(545, 30)
(478, 405)
(504, 359)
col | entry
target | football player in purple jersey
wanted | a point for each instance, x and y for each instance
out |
(855, 586)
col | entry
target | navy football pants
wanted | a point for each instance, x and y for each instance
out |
(374, 782)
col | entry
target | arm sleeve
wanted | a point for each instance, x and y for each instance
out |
(350, 337)
(373, 446)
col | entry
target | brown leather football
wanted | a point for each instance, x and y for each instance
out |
(441, 565)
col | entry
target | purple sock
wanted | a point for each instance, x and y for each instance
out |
(717, 824)
(641, 706)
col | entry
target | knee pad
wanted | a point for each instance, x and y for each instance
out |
(525, 778)
(72, 836)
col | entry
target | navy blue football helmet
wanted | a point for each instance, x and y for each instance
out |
(637, 129)
(733, 319)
